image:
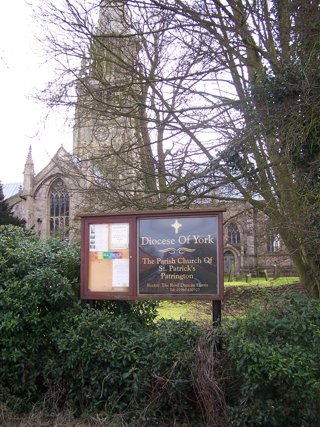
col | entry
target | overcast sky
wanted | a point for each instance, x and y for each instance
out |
(22, 119)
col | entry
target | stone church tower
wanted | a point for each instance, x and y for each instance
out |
(105, 129)
(104, 94)
(103, 135)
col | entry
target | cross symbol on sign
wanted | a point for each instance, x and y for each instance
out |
(176, 225)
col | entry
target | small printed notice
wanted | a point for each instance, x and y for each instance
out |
(120, 273)
(119, 236)
(98, 237)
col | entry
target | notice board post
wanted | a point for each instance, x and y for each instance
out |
(145, 255)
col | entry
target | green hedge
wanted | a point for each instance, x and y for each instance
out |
(115, 359)
(56, 349)
(112, 364)
(275, 362)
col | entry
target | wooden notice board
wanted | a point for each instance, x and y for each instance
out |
(172, 254)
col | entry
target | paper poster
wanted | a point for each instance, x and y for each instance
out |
(120, 273)
(98, 238)
(119, 236)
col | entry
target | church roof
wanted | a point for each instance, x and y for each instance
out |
(10, 190)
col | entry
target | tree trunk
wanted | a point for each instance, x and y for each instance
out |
(308, 269)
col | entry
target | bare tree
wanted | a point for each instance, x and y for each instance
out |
(264, 57)
(222, 99)
(130, 92)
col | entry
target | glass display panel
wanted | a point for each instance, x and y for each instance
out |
(109, 257)
(178, 256)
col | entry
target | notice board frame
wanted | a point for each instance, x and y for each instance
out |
(133, 219)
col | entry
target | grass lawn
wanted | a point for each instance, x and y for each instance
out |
(239, 295)
(263, 282)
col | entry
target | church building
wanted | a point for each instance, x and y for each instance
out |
(50, 200)
(103, 159)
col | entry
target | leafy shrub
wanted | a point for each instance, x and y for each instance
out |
(143, 312)
(113, 364)
(37, 288)
(275, 353)
(112, 358)
(172, 390)
(21, 252)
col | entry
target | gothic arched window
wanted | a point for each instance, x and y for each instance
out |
(59, 209)
(233, 234)
(273, 242)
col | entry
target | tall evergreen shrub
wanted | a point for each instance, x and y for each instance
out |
(6, 215)
(54, 348)
(275, 362)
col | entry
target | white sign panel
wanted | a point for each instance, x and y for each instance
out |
(119, 236)
(98, 237)
(120, 273)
